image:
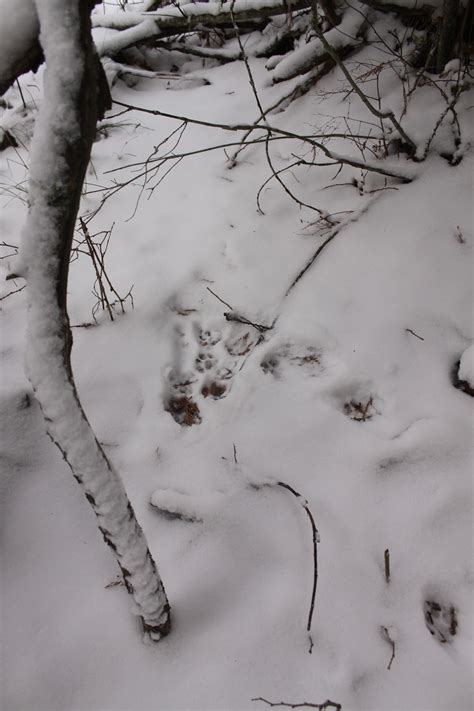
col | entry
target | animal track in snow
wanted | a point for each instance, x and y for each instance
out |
(356, 399)
(205, 363)
(280, 360)
(441, 620)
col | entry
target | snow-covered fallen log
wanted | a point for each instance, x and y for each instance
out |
(128, 29)
(342, 38)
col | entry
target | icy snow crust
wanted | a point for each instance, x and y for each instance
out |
(237, 563)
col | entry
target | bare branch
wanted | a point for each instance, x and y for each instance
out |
(304, 704)
(315, 533)
(389, 115)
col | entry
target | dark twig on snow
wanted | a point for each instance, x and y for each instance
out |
(305, 505)
(10, 293)
(219, 298)
(328, 704)
(233, 316)
(386, 557)
(391, 641)
(334, 232)
(408, 330)
(312, 260)
(278, 133)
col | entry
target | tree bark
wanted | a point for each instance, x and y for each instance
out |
(64, 133)
(448, 34)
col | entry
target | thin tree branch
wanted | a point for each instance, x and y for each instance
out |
(315, 533)
(328, 704)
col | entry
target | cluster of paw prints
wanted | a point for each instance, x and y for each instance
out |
(207, 361)
(213, 359)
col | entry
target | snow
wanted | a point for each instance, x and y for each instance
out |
(345, 34)
(348, 399)
(466, 366)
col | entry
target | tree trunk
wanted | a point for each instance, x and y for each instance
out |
(64, 133)
(448, 34)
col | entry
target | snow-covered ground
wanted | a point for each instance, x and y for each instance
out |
(349, 399)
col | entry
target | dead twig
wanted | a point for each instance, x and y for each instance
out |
(334, 232)
(305, 506)
(10, 293)
(386, 557)
(219, 298)
(386, 633)
(328, 704)
(406, 175)
(97, 250)
(420, 338)
(233, 316)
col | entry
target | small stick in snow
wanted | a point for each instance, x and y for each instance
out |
(10, 293)
(386, 557)
(386, 634)
(328, 704)
(235, 453)
(305, 505)
(219, 298)
(408, 330)
(233, 316)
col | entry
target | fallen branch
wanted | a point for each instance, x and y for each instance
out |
(10, 293)
(380, 167)
(314, 530)
(223, 55)
(233, 316)
(328, 704)
(301, 88)
(343, 38)
(137, 28)
(334, 232)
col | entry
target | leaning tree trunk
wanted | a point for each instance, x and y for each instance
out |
(64, 133)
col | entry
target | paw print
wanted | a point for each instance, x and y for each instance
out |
(441, 620)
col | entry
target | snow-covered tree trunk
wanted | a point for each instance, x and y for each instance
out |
(20, 50)
(64, 133)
